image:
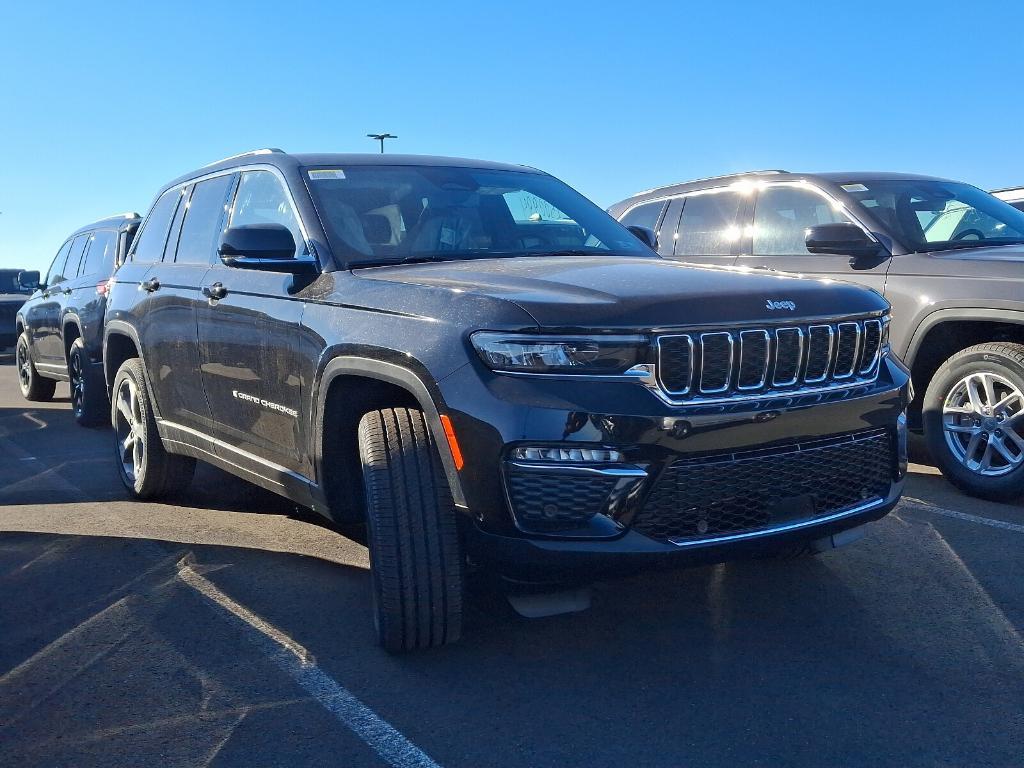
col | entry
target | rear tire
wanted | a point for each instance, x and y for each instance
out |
(33, 386)
(89, 400)
(973, 415)
(416, 560)
(146, 468)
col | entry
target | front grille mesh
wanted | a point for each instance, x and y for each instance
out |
(755, 360)
(739, 493)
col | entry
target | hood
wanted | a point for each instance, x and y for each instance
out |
(638, 293)
(1012, 253)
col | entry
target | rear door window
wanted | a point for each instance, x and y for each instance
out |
(203, 221)
(74, 259)
(99, 259)
(151, 242)
(709, 225)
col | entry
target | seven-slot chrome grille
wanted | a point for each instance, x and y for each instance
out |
(704, 365)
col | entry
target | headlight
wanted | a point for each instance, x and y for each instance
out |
(884, 343)
(594, 355)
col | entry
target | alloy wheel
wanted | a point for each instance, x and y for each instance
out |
(77, 382)
(21, 359)
(128, 426)
(983, 422)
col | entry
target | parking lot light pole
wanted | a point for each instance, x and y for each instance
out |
(380, 137)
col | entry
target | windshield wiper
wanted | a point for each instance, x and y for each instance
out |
(966, 244)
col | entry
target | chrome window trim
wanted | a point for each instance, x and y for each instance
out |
(799, 356)
(729, 371)
(689, 378)
(856, 350)
(828, 361)
(767, 359)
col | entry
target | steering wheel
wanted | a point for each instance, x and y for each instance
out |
(977, 233)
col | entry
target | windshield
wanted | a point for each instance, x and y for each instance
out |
(389, 214)
(939, 215)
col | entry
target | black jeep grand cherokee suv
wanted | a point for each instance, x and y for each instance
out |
(484, 366)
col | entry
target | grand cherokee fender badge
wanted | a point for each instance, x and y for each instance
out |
(265, 403)
(773, 304)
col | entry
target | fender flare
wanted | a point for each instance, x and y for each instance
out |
(392, 374)
(70, 318)
(121, 328)
(953, 314)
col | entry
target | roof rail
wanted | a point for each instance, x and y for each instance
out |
(125, 215)
(713, 178)
(264, 151)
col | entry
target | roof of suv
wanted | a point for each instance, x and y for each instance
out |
(830, 176)
(118, 222)
(282, 159)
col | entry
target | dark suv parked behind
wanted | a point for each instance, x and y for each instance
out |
(60, 327)
(13, 293)
(483, 366)
(949, 257)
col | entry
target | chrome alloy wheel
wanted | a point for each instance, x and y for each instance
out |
(77, 382)
(128, 429)
(24, 365)
(983, 422)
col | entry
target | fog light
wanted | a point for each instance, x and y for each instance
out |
(565, 454)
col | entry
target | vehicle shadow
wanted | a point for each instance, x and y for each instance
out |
(749, 662)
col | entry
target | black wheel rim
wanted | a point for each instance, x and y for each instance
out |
(77, 385)
(24, 365)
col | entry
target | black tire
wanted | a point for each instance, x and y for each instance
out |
(34, 387)
(151, 471)
(416, 560)
(89, 402)
(1004, 360)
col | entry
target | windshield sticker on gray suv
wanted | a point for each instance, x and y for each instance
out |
(854, 187)
(322, 174)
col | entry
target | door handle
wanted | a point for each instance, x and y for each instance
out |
(66, 291)
(215, 291)
(150, 285)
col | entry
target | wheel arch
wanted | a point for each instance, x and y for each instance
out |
(70, 329)
(120, 342)
(377, 383)
(946, 331)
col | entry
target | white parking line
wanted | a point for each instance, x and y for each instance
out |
(922, 506)
(295, 660)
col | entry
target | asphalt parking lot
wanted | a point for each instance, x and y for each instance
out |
(230, 629)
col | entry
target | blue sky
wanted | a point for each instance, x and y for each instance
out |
(101, 107)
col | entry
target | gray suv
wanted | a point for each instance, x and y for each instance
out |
(948, 256)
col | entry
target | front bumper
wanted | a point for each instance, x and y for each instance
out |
(654, 439)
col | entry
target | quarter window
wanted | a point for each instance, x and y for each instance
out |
(261, 199)
(709, 225)
(205, 212)
(782, 216)
(99, 259)
(151, 242)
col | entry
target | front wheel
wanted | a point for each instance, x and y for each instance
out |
(146, 468)
(415, 556)
(33, 386)
(974, 420)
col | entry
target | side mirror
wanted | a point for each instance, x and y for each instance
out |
(843, 239)
(268, 247)
(645, 236)
(29, 279)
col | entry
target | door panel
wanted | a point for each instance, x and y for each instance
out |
(782, 213)
(49, 345)
(253, 373)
